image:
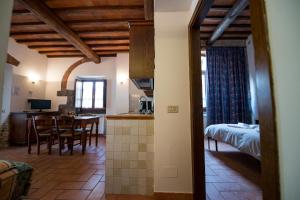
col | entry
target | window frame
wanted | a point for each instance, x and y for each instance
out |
(93, 109)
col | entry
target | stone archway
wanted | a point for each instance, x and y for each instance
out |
(70, 94)
(64, 81)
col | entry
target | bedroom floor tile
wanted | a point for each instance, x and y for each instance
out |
(231, 175)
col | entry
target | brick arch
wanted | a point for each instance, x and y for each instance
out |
(67, 73)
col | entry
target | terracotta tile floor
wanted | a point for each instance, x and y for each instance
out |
(76, 177)
(231, 175)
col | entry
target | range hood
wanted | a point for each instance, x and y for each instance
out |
(146, 84)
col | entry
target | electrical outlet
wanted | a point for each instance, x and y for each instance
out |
(173, 109)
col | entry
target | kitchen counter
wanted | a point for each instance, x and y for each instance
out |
(129, 116)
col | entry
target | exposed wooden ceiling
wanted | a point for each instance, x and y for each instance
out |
(240, 29)
(101, 24)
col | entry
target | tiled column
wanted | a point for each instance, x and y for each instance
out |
(4, 134)
(129, 157)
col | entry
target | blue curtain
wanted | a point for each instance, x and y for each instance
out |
(228, 91)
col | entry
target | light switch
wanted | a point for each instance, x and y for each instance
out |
(173, 109)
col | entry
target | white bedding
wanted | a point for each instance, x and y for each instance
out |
(244, 137)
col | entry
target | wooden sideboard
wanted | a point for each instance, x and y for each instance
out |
(20, 124)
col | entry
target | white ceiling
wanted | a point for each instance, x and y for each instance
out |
(172, 5)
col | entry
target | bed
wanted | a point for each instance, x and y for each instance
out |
(242, 136)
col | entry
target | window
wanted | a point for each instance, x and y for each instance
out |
(90, 95)
(203, 68)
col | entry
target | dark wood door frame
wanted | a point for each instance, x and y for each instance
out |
(265, 99)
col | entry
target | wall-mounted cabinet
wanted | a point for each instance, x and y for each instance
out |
(141, 54)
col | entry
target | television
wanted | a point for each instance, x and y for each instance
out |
(39, 104)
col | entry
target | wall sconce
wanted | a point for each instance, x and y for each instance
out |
(33, 77)
(122, 78)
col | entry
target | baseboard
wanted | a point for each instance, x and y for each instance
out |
(125, 197)
(172, 196)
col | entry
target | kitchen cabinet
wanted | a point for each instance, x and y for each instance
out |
(141, 53)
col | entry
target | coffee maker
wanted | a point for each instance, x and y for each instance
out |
(145, 106)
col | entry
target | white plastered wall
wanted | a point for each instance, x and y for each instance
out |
(31, 64)
(122, 83)
(6, 11)
(172, 137)
(284, 31)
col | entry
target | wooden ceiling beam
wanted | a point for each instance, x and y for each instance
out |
(38, 36)
(206, 38)
(107, 41)
(63, 42)
(33, 20)
(62, 46)
(46, 15)
(217, 12)
(99, 8)
(30, 28)
(71, 48)
(78, 22)
(230, 29)
(81, 10)
(74, 53)
(211, 29)
(217, 6)
(228, 32)
(28, 18)
(231, 26)
(217, 21)
(228, 35)
(62, 53)
(111, 34)
(39, 42)
(224, 8)
(88, 3)
(222, 17)
(80, 26)
(111, 48)
(233, 14)
(86, 35)
(72, 56)
(131, 14)
(64, 56)
(83, 14)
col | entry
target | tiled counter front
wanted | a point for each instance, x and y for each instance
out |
(129, 156)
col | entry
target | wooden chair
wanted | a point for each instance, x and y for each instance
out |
(67, 129)
(89, 128)
(63, 123)
(43, 129)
